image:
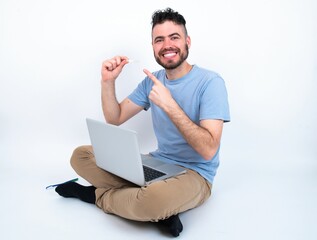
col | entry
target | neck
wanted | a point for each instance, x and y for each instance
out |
(178, 72)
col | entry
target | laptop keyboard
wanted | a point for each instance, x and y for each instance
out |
(150, 173)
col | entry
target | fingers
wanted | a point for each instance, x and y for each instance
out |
(151, 76)
(115, 62)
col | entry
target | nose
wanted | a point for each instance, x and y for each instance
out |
(167, 43)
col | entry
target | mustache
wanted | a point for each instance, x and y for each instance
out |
(165, 50)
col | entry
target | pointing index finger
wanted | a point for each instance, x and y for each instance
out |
(151, 76)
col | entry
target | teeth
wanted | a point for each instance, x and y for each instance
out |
(169, 54)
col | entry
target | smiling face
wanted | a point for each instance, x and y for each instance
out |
(170, 44)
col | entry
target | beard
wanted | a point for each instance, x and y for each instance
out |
(170, 63)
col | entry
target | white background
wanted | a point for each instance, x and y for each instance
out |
(50, 58)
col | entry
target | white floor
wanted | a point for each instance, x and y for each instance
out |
(250, 201)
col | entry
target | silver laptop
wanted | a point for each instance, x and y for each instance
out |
(117, 151)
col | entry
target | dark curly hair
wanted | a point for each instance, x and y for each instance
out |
(168, 14)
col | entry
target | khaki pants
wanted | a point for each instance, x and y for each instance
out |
(154, 202)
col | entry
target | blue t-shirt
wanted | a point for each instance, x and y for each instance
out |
(202, 95)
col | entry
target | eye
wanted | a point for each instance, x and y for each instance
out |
(158, 40)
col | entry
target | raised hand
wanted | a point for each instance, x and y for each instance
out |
(111, 68)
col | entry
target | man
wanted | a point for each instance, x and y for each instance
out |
(188, 106)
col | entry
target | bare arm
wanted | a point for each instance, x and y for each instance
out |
(114, 112)
(204, 138)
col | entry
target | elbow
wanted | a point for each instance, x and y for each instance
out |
(112, 121)
(210, 153)
(116, 123)
(208, 156)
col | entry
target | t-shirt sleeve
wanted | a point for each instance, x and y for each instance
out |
(214, 101)
(140, 95)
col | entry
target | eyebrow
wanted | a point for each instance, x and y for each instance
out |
(170, 35)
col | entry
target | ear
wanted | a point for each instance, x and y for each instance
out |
(188, 41)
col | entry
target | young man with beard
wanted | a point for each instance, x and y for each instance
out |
(188, 106)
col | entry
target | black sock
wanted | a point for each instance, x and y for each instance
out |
(75, 190)
(173, 225)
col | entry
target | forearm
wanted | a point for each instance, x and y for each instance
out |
(110, 105)
(199, 138)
